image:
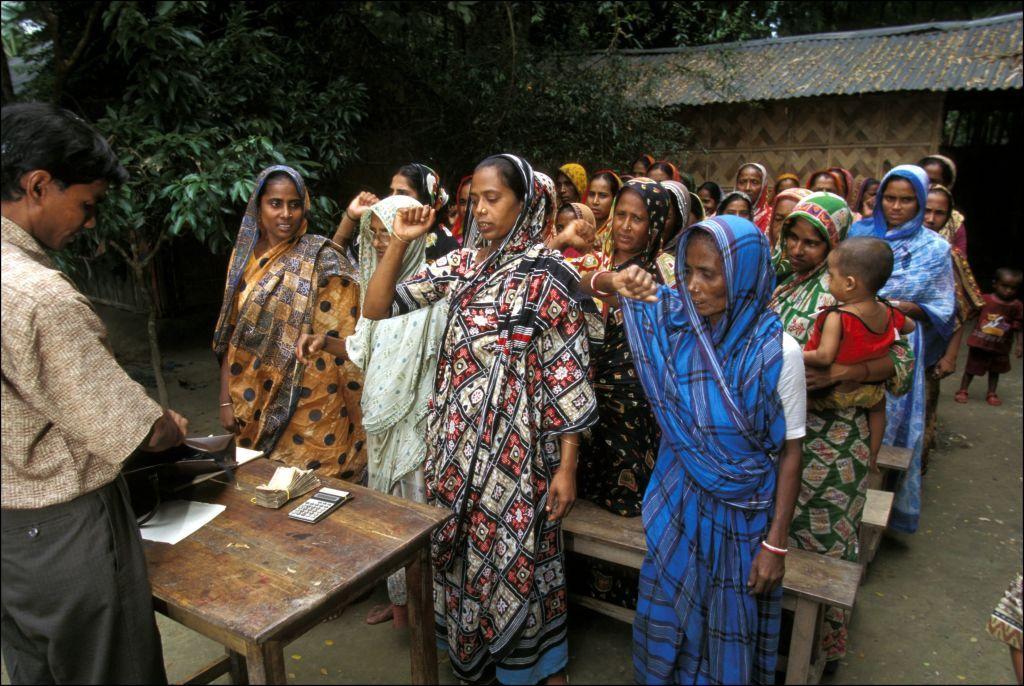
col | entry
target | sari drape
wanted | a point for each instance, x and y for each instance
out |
(922, 274)
(711, 497)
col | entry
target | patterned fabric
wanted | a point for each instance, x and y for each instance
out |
(578, 175)
(399, 359)
(711, 497)
(546, 185)
(680, 196)
(847, 188)
(586, 262)
(460, 221)
(617, 458)
(1007, 619)
(830, 215)
(306, 415)
(511, 377)
(969, 300)
(922, 274)
(761, 212)
(61, 385)
(833, 482)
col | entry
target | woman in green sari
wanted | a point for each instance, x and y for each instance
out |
(835, 451)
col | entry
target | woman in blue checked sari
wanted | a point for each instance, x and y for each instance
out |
(727, 386)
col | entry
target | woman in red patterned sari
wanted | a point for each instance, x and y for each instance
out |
(510, 398)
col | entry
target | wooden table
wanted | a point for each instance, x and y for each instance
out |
(254, 580)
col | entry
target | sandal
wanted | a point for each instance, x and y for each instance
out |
(993, 400)
(961, 396)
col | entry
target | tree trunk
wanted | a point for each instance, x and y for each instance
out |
(8, 82)
(140, 272)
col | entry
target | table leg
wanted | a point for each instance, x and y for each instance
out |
(266, 663)
(423, 646)
(237, 668)
(801, 641)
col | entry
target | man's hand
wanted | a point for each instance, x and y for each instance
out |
(168, 431)
(766, 572)
(413, 222)
(636, 284)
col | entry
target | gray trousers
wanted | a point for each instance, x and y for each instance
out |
(76, 600)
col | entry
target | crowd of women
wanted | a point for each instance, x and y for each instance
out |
(635, 339)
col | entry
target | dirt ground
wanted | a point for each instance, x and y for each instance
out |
(920, 614)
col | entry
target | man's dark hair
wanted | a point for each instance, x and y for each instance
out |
(36, 135)
(868, 259)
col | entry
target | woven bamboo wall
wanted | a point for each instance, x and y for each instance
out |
(867, 134)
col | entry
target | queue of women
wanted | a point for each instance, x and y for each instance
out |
(628, 339)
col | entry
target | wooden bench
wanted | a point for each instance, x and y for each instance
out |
(874, 521)
(812, 582)
(890, 459)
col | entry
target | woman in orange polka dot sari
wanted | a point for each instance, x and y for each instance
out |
(283, 282)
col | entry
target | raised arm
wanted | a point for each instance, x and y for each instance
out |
(632, 282)
(410, 224)
(353, 213)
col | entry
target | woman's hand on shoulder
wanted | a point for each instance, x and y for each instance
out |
(360, 204)
(636, 284)
(413, 222)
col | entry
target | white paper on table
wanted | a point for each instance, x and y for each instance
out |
(243, 455)
(178, 519)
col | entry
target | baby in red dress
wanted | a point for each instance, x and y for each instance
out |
(859, 329)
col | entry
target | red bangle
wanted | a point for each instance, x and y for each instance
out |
(593, 283)
(772, 549)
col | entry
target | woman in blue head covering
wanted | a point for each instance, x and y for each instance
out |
(727, 387)
(922, 286)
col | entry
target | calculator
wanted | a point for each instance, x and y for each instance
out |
(321, 504)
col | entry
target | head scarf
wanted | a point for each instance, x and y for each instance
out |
(578, 175)
(428, 186)
(839, 181)
(786, 175)
(714, 189)
(794, 194)
(922, 274)
(397, 355)
(680, 195)
(939, 188)
(460, 221)
(647, 159)
(546, 185)
(760, 211)
(862, 193)
(948, 164)
(729, 197)
(583, 212)
(697, 206)
(656, 200)
(672, 168)
(830, 216)
(848, 187)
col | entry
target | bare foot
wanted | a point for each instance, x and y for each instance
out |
(380, 614)
(559, 678)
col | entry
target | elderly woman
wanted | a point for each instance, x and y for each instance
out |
(419, 182)
(282, 283)
(835, 450)
(923, 288)
(399, 359)
(727, 386)
(752, 179)
(510, 397)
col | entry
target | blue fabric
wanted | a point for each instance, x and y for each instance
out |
(713, 389)
(922, 274)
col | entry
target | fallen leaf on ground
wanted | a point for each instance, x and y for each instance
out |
(296, 656)
(323, 671)
(328, 642)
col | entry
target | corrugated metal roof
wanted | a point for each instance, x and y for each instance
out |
(983, 54)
